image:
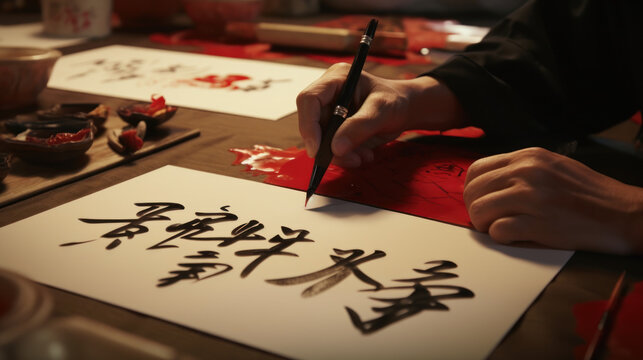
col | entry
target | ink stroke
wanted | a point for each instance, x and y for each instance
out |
(342, 280)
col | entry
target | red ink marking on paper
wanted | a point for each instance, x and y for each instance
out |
(216, 81)
(624, 339)
(418, 179)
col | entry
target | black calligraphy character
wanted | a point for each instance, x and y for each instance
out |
(191, 229)
(124, 71)
(133, 227)
(263, 254)
(242, 232)
(262, 86)
(342, 268)
(435, 272)
(170, 68)
(95, 63)
(194, 270)
(419, 300)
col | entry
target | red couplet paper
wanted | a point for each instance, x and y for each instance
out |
(624, 338)
(413, 178)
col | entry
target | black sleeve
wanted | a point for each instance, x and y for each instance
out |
(552, 70)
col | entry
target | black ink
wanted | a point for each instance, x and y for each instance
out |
(193, 270)
(204, 254)
(114, 70)
(342, 268)
(113, 244)
(133, 227)
(265, 84)
(420, 299)
(263, 254)
(434, 272)
(191, 229)
(176, 68)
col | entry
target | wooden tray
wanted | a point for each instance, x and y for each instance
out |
(26, 179)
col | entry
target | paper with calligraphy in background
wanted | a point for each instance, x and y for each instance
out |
(236, 86)
(313, 318)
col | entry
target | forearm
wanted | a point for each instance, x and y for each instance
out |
(538, 73)
(433, 106)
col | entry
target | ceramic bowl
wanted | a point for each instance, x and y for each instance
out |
(24, 73)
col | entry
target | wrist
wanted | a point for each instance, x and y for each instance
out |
(433, 106)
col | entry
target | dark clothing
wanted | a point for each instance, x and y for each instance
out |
(552, 70)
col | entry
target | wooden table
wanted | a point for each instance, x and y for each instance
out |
(546, 331)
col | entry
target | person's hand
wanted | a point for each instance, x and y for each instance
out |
(385, 108)
(543, 197)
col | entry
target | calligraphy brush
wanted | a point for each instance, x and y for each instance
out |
(603, 325)
(324, 154)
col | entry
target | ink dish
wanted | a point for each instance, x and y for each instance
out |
(22, 123)
(49, 146)
(95, 112)
(62, 118)
(153, 113)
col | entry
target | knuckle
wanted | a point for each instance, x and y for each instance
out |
(475, 165)
(475, 210)
(534, 156)
(472, 172)
(522, 192)
(302, 97)
(468, 195)
(530, 171)
(532, 152)
(502, 231)
(341, 67)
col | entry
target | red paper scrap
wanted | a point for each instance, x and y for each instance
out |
(624, 338)
(467, 132)
(413, 178)
(214, 46)
(637, 118)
